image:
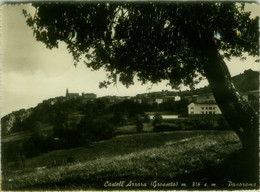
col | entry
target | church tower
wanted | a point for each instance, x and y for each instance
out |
(67, 92)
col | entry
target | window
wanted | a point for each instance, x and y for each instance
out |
(210, 112)
(210, 107)
(191, 108)
(214, 112)
(206, 107)
(202, 108)
(214, 107)
(202, 112)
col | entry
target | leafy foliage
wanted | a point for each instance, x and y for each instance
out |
(132, 39)
(157, 120)
(37, 144)
(179, 107)
(126, 110)
(139, 125)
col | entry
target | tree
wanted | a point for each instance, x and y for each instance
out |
(181, 42)
(139, 124)
(157, 119)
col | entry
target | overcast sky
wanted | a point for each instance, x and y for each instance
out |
(31, 73)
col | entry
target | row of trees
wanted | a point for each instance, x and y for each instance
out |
(217, 123)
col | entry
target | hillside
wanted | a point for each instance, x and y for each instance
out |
(183, 157)
(247, 81)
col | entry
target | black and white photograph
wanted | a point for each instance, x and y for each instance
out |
(129, 95)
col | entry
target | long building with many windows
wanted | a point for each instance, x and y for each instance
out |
(205, 104)
(203, 108)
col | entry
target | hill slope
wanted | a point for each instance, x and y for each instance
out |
(140, 158)
(247, 81)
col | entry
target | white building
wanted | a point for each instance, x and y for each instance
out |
(203, 108)
(205, 98)
(164, 114)
(171, 98)
(205, 104)
(159, 100)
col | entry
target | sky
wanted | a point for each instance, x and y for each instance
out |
(31, 73)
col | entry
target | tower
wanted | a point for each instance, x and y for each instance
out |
(67, 92)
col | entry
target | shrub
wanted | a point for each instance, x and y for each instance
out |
(37, 144)
(12, 155)
(202, 124)
(147, 118)
(70, 159)
(222, 124)
(197, 124)
(157, 120)
(139, 125)
(101, 129)
(166, 127)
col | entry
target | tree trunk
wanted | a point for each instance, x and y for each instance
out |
(239, 115)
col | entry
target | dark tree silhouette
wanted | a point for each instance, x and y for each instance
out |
(157, 120)
(176, 41)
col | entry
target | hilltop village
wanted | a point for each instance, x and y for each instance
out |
(170, 104)
(198, 105)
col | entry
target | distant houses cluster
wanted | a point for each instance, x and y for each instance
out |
(199, 105)
(202, 104)
(156, 99)
(84, 97)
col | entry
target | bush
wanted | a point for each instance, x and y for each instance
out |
(70, 135)
(157, 120)
(197, 124)
(147, 118)
(222, 124)
(101, 129)
(12, 155)
(37, 144)
(204, 124)
(70, 159)
(139, 125)
(166, 127)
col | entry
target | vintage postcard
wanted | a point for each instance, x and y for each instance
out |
(129, 95)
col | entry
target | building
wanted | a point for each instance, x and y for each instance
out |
(205, 98)
(71, 95)
(171, 98)
(165, 115)
(110, 99)
(190, 98)
(89, 96)
(138, 100)
(203, 108)
(159, 100)
(205, 104)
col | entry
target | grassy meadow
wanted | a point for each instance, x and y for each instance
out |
(134, 161)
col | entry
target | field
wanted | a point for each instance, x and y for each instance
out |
(148, 160)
